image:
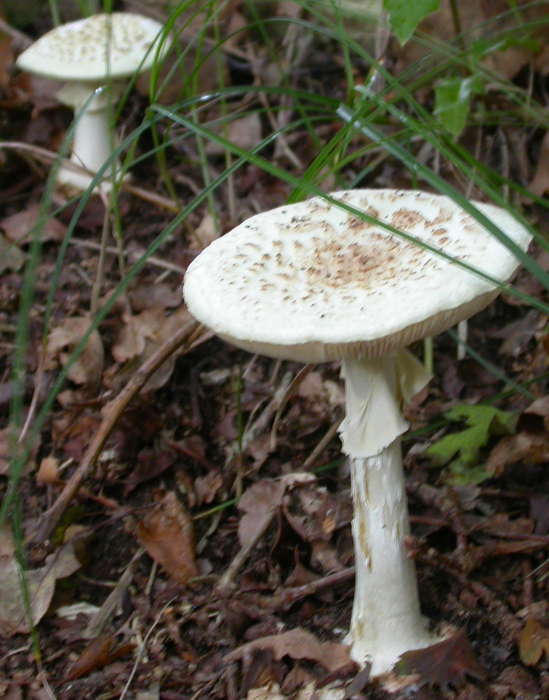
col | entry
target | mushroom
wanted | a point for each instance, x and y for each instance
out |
(77, 54)
(312, 282)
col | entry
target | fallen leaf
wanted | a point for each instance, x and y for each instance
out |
(141, 336)
(445, 664)
(206, 487)
(167, 534)
(11, 258)
(97, 654)
(532, 447)
(262, 497)
(501, 525)
(87, 369)
(518, 334)
(40, 585)
(18, 227)
(516, 681)
(244, 132)
(533, 642)
(297, 644)
(535, 418)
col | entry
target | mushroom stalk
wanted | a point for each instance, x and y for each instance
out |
(386, 619)
(92, 139)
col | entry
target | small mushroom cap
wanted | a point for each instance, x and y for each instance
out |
(78, 50)
(311, 282)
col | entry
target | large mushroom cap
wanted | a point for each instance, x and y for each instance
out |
(78, 50)
(311, 282)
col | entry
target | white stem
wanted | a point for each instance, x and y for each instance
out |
(91, 145)
(386, 619)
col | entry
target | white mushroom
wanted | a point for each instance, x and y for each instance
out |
(311, 282)
(91, 55)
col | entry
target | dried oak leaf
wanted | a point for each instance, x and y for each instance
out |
(297, 644)
(141, 336)
(533, 642)
(98, 653)
(18, 227)
(167, 534)
(40, 587)
(533, 447)
(87, 369)
(263, 497)
(444, 664)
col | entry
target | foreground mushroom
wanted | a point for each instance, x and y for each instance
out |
(311, 282)
(89, 55)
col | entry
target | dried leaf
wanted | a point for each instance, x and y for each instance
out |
(167, 534)
(532, 447)
(244, 132)
(18, 227)
(98, 653)
(297, 644)
(535, 419)
(40, 584)
(141, 336)
(262, 497)
(87, 369)
(11, 258)
(533, 642)
(444, 664)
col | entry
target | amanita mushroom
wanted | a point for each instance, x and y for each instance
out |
(313, 283)
(90, 55)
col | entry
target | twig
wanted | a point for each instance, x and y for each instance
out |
(20, 41)
(324, 442)
(110, 605)
(142, 650)
(152, 260)
(509, 625)
(259, 426)
(190, 333)
(290, 391)
(226, 580)
(289, 596)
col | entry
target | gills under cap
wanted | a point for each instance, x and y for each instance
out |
(78, 50)
(311, 282)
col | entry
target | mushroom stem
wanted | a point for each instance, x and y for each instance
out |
(386, 619)
(92, 141)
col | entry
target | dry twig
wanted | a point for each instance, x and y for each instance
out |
(191, 334)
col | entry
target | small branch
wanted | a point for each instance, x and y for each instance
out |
(190, 333)
(226, 580)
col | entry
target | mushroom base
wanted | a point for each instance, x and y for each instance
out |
(386, 619)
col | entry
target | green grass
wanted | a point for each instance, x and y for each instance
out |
(374, 127)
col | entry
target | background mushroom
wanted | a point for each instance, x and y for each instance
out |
(94, 57)
(311, 282)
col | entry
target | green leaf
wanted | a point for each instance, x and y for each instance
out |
(482, 422)
(405, 15)
(453, 99)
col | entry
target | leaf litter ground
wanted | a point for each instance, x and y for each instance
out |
(205, 555)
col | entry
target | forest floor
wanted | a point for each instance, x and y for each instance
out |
(203, 554)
